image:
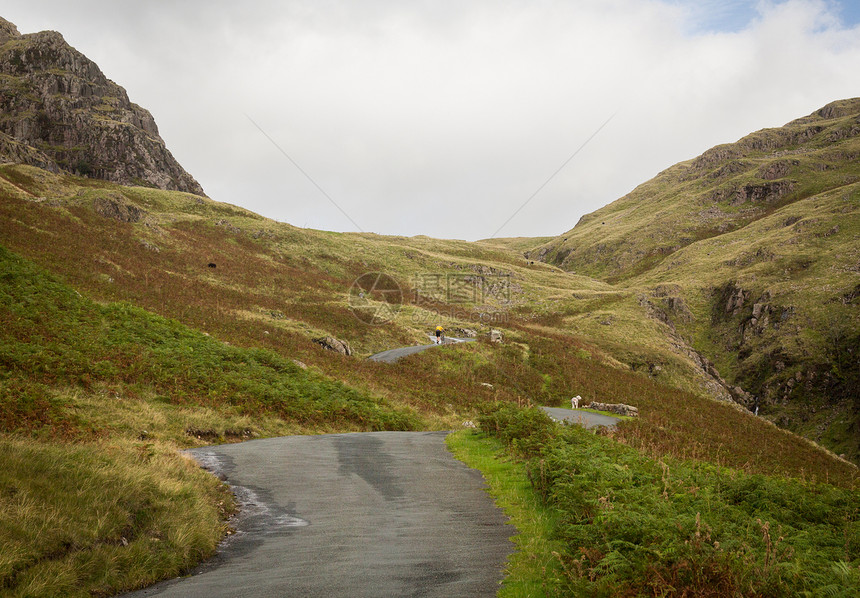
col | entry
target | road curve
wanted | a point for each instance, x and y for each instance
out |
(393, 355)
(583, 418)
(374, 514)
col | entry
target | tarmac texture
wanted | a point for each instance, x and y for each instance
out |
(583, 418)
(393, 355)
(370, 514)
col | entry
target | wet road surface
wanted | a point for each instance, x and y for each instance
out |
(393, 355)
(584, 418)
(374, 514)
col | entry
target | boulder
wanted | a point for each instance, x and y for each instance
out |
(117, 208)
(495, 336)
(331, 343)
(464, 332)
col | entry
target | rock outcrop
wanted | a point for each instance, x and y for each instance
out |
(331, 343)
(116, 207)
(58, 111)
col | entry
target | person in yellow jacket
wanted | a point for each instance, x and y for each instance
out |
(440, 335)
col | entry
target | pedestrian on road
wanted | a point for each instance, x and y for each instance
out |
(440, 335)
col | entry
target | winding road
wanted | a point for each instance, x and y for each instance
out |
(584, 418)
(574, 416)
(373, 514)
(370, 514)
(393, 355)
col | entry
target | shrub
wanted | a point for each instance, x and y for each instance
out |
(633, 525)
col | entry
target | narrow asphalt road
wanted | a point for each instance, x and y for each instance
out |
(584, 418)
(375, 514)
(393, 355)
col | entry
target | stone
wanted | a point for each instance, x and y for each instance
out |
(462, 332)
(495, 336)
(766, 192)
(229, 226)
(776, 170)
(757, 309)
(116, 207)
(736, 300)
(331, 343)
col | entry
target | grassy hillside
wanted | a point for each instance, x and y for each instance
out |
(94, 400)
(276, 288)
(723, 190)
(120, 343)
(777, 307)
(280, 287)
(749, 255)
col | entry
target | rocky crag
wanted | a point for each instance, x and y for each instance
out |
(58, 111)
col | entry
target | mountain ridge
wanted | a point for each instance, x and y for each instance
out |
(733, 183)
(749, 253)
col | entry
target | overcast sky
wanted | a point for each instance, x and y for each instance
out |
(444, 117)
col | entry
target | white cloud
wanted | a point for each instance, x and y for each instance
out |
(442, 118)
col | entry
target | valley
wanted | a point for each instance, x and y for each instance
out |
(139, 317)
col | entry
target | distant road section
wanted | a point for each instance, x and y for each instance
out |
(584, 418)
(393, 355)
(358, 515)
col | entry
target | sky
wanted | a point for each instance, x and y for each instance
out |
(455, 118)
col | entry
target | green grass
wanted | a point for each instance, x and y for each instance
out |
(95, 519)
(534, 569)
(631, 525)
(52, 337)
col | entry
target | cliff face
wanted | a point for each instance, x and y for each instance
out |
(59, 111)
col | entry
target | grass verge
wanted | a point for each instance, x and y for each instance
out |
(533, 570)
(633, 525)
(94, 519)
